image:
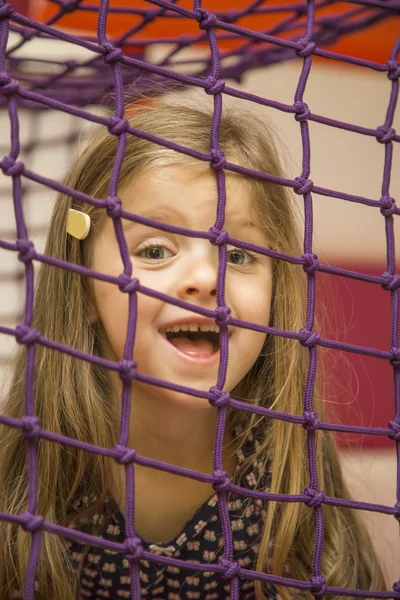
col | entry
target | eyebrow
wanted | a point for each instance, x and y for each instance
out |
(170, 218)
(245, 224)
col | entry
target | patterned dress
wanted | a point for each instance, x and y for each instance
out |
(105, 574)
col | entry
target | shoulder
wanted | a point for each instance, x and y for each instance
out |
(91, 511)
(254, 467)
(92, 517)
(83, 501)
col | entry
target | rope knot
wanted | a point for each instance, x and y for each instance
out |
(113, 206)
(310, 420)
(26, 335)
(218, 397)
(213, 86)
(318, 583)
(69, 7)
(302, 186)
(184, 40)
(71, 64)
(218, 161)
(231, 568)
(124, 456)
(112, 54)
(221, 481)
(306, 48)
(127, 370)
(308, 338)
(231, 16)
(395, 430)
(390, 282)
(222, 316)
(217, 236)
(27, 34)
(206, 19)
(149, 15)
(6, 11)
(134, 548)
(10, 167)
(30, 427)
(30, 522)
(8, 85)
(395, 360)
(397, 516)
(315, 497)
(26, 250)
(117, 126)
(388, 206)
(310, 264)
(128, 285)
(385, 134)
(395, 283)
(302, 111)
(393, 69)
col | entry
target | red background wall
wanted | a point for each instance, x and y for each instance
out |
(360, 389)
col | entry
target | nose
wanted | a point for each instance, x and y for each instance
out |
(200, 283)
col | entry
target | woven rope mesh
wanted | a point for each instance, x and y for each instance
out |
(94, 70)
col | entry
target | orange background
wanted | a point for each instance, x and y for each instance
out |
(375, 43)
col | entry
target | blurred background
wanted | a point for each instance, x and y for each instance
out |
(358, 390)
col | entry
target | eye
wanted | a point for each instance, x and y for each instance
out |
(154, 251)
(238, 257)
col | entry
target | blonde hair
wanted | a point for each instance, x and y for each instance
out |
(74, 398)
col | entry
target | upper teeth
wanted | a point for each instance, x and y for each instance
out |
(193, 327)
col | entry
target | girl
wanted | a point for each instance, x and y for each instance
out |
(174, 516)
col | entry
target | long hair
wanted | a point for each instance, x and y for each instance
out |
(75, 399)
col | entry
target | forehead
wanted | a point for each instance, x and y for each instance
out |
(186, 192)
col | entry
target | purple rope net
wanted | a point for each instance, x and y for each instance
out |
(255, 48)
(115, 68)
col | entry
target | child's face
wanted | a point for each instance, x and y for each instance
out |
(184, 268)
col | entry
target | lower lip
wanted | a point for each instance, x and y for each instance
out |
(193, 360)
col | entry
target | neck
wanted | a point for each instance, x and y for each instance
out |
(179, 435)
(176, 436)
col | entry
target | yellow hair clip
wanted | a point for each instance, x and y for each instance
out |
(78, 224)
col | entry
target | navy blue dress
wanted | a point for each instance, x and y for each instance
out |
(105, 574)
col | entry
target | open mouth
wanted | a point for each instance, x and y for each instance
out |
(200, 343)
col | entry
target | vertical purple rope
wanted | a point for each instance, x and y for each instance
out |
(214, 86)
(25, 335)
(386, 137)
(317, 580)
(113, 203)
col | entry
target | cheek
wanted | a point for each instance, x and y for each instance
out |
(112, 311)
(254, 302)
(148, 310)
(264, 299)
